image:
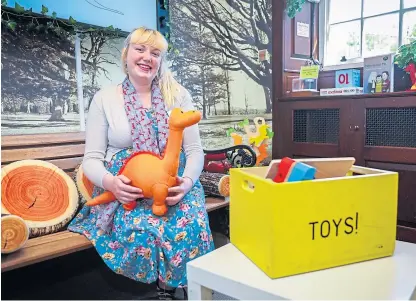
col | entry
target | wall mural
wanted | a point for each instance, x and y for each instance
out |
(221, 55)
(219, 52)
(40, 92)
(37, 79)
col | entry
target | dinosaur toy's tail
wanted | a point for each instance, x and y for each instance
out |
(103, 198)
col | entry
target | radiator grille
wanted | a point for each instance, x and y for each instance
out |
(316, 126)
(395, 127)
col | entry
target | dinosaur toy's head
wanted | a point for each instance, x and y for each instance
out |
(180, 119)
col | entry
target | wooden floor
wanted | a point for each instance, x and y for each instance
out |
(78, 276)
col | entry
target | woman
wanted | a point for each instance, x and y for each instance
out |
(130, 117)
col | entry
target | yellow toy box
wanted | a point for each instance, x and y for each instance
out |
(297, 227)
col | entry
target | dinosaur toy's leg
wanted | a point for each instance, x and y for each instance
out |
(130, 206)
(160, 192)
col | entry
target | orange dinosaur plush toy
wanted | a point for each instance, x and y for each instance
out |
(152, 173)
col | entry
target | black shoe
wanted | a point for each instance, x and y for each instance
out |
(165, 294)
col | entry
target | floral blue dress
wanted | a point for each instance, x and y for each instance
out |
(143, 246)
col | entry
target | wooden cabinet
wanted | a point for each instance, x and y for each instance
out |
(379, 131)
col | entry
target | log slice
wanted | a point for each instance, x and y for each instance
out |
(14, 233)
(39, 192)
(84, 185)
(215, 184)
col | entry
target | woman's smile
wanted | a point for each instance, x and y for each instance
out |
(144, 67)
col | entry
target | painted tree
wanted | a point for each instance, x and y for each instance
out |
(240, 28)
(193, 63)
(38, 60)
(187, 74)
(98, 49)
(216, 93)
(227, 79)
(38, 66)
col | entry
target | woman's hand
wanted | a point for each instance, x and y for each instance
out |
(121, 188)
(176, 193)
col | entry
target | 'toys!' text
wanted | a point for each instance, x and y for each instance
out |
(334, 227)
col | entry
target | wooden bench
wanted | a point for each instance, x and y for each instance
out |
(66, 151)
(62, 243)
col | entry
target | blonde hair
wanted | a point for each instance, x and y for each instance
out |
(169, 87)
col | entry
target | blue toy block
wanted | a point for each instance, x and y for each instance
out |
(301, 172)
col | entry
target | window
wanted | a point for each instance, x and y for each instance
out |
(356, 29)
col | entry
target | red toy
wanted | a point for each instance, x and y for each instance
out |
(284, 168)
(216, 163)
(290, 170)
(411, 68)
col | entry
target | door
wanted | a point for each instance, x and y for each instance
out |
(385, 138)
(315, 128)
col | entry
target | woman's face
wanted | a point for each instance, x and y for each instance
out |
(143, 62)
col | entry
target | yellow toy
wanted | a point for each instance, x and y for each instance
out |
(257, 139)
(260, 134)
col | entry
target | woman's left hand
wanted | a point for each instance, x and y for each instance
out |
(176, 193)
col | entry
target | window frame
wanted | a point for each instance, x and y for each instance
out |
(323, 32)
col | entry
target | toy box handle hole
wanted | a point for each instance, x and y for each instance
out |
(247, 185)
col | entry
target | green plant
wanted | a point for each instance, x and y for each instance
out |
(406, 54)
(293, 7)
(47, 23)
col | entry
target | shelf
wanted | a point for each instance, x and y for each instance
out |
(359, 96)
